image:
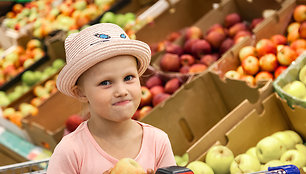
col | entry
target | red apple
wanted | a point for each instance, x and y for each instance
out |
(173, 36)
(144, 111)
(184, 69)
(174, 49)
(17, 8)
(215, 39)
(242, 33)
(298, 44)
(172, 85)
(193, 32)
(249, 79)
(154, 81)
(232, 19)
(236, 28)
(215, 27)
(170, 62)
(146, 96)
(240, 70)
(286, 55)
(268, 62)
(279, 70)
(136, 115)
(197, 68)
(247, 51)
(187, 59)
(226, 45)
(188, 45)
(160, 98)
(157, 90)
(263, 76)
(299, 13)
(302, 30)
(279, 39)
(293, 35)
(209, 59)
(232, 74)
(73, 122)
(250, 65)
(255, 22)
(200, 47)
(265, 46)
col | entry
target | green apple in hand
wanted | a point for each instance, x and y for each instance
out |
(245, 163)
(294, 157)
(302, 74)
(219, 158)
(301, 148)
(199, 167)
(269, 148)
(285, 138)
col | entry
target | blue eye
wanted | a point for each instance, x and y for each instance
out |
(105, 83)
(128, 78)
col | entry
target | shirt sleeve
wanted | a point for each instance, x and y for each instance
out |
(166, 157)
(63, 160)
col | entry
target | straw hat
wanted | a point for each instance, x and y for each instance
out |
(93, 45)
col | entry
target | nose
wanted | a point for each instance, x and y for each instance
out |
(121, 90)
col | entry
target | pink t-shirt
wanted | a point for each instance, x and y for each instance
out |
(79, 153)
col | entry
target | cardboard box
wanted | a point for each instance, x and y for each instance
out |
(47, 128)
(276, 24)
(199, 105)
(247, 124)
(217, 16)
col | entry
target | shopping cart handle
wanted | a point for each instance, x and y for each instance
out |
(173, 170)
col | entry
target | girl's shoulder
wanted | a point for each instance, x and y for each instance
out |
(153, 131)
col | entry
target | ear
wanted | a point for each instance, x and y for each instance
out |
(79, 93)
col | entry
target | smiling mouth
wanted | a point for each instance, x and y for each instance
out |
(123, 102)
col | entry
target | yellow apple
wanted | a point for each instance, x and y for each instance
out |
(127, 166)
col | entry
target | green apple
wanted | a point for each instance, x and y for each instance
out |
(285, 139)
(296, 137)
(245, 163)
(80, 5)
(269, 148)
(294, 157)
(11, 57)
(13, 96)
(219, 158)
(120, 20)
(199, 167)
(182, 160)
(8, 111)
(273, 163)
(4, 101)
(302, 74)
(58, 64)
(28, 63)
(301, 148)
(28, 78)
(252, 151)
(296, 89)
(37, 75)
(108, 17)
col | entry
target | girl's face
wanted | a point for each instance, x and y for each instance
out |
(112, 88)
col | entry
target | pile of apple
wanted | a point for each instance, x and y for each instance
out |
(200, 51)
(297, 88)
(270, 57)
(47, 16)
(281, 148)
(29, 79)
(155, 91)
(15, 116)
(16, 61)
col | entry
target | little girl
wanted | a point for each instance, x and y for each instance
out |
(102, 70)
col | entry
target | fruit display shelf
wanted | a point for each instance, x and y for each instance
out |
(196, 107)
(265, 56)
(294, 95)
(248, 125)
(195, 48)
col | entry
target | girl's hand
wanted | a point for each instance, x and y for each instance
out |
(150, 171)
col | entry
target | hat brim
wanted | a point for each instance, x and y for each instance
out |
(96, 53)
